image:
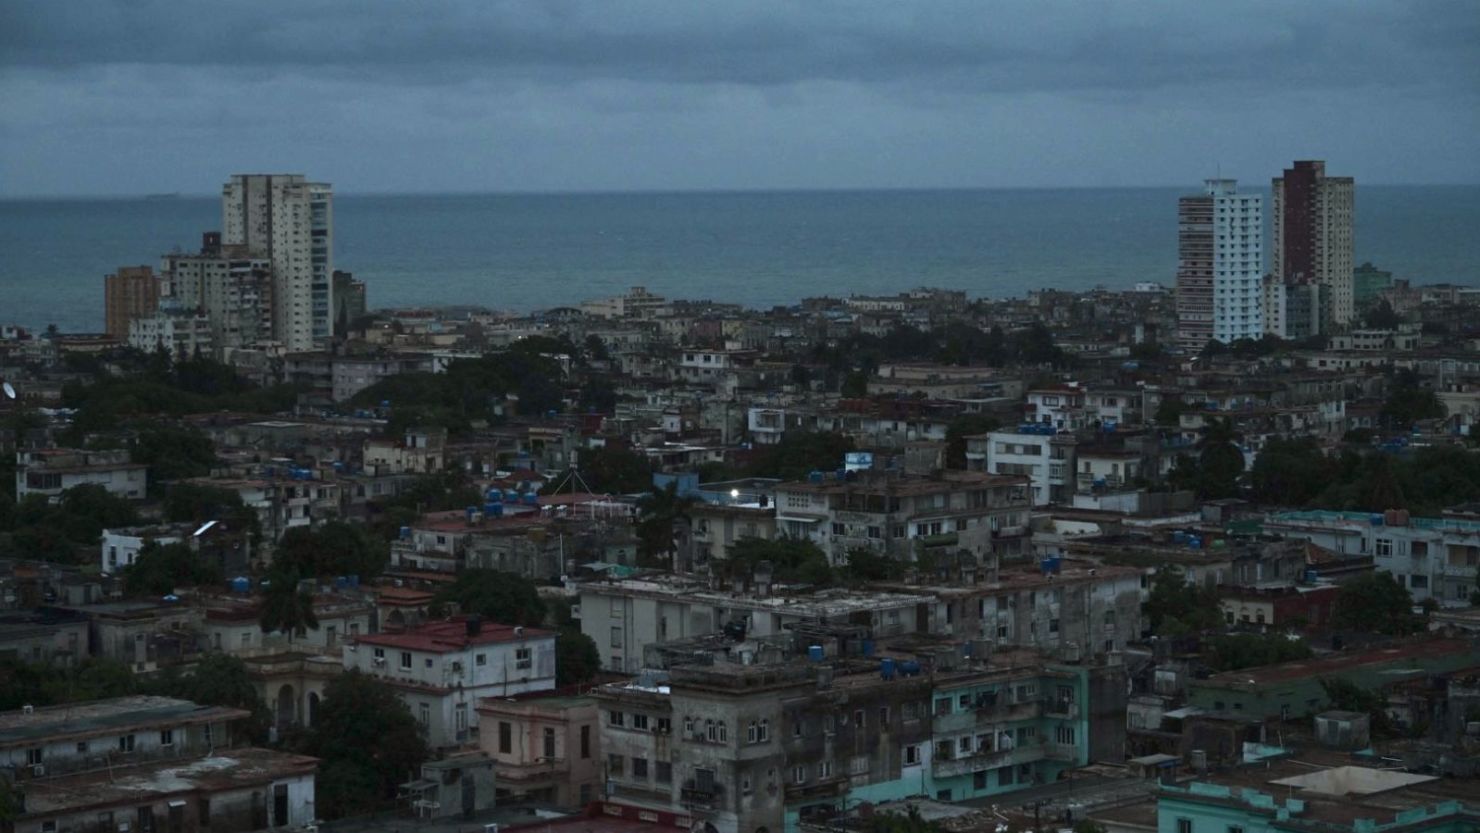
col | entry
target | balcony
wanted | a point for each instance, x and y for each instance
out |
(832, 786)
(1062, 708)
(962, 764)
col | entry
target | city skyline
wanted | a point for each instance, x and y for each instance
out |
(492, 98)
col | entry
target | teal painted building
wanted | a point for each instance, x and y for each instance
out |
(1201, 807)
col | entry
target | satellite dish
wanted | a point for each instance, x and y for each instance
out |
(9, 389)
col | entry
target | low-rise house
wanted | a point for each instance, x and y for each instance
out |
(121, 546)
(148, 763)
(442, 669)
(547, 748)
(51, 471)
(51, 636)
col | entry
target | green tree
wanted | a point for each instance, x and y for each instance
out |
(658, 512)
(1247, 650)
(801, 452)
(1376, 602)
(286, 607)
(218, 680)
(960, 428)
(158, 570)
(866, 565)
(1346, 695)
(1176, 607)
(368, 743)
(1380, 316)
(505, 598)
(1219, 461)
(576, 657)
(1291, 472)
(793, 561)
(1169, 411)
(611, 470)
(336, 548)
(1408, 402)
(172, 453)
(855, 385)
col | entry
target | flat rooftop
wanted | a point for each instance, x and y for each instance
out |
(229, 769)
(54, 723)
(1324, 666)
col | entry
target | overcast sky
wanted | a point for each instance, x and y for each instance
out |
(142, 96)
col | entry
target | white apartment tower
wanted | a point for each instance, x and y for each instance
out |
(1220, 265)
(1312, 238)
(290, 222)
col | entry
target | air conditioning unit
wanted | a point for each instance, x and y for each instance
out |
(378, 662)
(124, 827)
(38, 770)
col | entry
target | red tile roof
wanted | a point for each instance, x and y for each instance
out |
(452, 635)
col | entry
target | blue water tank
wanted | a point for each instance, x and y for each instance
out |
(909, 668)
(341, 582)
(1049, 566)
(511, 496)
(405, 533)
(494, 496)
(1376, 519)
(493, 510)
(868, 647)
(354, 580)
(531, 499)
(241, 584)
(814, 653)
(886, 668)
(815, 477)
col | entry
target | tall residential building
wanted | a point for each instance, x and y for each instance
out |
(131, 292)
(232, 289)
(1220, 265)
(1313, 216)
(290, 222)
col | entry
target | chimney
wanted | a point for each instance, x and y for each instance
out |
(475, 625)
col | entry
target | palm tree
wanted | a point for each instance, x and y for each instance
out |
(286, 608)
(657, 513)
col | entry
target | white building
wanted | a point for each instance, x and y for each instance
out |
(183, 333)
(442, 669)
(51, 471)
(1221, 265)
(1036, 452)
(290, 221)
(121, 546)
(1436, 558)
(232, 289)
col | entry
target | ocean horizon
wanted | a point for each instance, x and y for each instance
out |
(527, 251)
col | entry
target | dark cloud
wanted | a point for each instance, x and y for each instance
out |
(592, 93)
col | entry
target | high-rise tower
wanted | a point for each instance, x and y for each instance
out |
(290, 222)
(1312, 238)
(1220, 263)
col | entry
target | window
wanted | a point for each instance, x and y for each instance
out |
(522, 658)
(424, 714)
(963, 702)
(505, 737)
(616, 718)
(480, 659)
(429, 662)
(688, 725)
(942, 705)
(883, 718)
(166, 737)
(639, 768)
(1184, 825)
(665, 726)
(1234, 828)
(912, 755)
(963, 744)
(616, 636)
(640, 722)
(380, 653)
(824, 769)
(585, 742)
(126, 743)
(911, 710)
(1064, 734)
(1418, 582)
(33, 756)
(405, 660)
(858, 718)
(858, 765)
(799, 774)
(663, 772)
(828, 723)
(1383, 546)
(615, 764)
(82, 747)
